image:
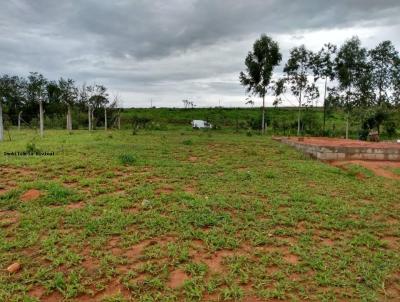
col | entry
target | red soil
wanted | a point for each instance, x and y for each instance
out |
(380, 168)
(339, 142)
(177, 278)
(30, 195)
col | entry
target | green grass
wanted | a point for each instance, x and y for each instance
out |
(236, 217)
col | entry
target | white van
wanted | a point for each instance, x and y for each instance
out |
(199, 124)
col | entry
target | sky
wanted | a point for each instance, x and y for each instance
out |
(160, 52)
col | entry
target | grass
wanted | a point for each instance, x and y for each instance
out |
(191, 215)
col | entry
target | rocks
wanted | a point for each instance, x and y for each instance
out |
(14, 268)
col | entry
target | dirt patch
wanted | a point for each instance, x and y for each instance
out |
(132, 210)
(135, 251)
(339, 142)
(8, 218)
(37, 292)
(190, 189)
(291, 259)
(16, 171)
(379, 168)
(113, 246)
(327, 242)
(53, 297)
(214, 261)
(154, 179)
(391, 241)
(271, 270)
(112, 289)
(177, 278)
(76, 205)
(165, 190)
(30, 195)
(193, 158)
(392, 288)
(89, 263)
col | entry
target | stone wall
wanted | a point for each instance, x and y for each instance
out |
(345, 153)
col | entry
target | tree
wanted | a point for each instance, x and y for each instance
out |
(352, 72)
(323, 65)
(249, 101)
(98, 100)
(37, 93)
(69, 95)
(298, 69)
(85, 95)
(6, 91)
(383, 59)
(3, 99)
(260, 63)
(396, 82)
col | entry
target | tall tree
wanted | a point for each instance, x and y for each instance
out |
(260, 64)
(69, 95)
(2, 100)
(6, 91)
(382, 60)
(86, 97)
(396, 83)
(351, 66)
(298, 69)
(37, 93)
(99, 100)
(323, 65)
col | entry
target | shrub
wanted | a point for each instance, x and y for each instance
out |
(31, 148)
(127, 159)
(187, 142)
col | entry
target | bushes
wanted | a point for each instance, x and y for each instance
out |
(126, 159)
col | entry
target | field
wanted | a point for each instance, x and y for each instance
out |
(191, 216)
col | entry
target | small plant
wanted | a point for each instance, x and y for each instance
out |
(127, 159)
(31, 148)
(187, 142)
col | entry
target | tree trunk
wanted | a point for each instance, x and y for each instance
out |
(19, 120)
(69, 118)
(105, 118)
(347, 126)
(1, 122)
(298, 116)
(41, 122)
(119, 120)
(92, 118)
(89, 119)
(263, 116)
(326, 83)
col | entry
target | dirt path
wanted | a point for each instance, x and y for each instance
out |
(380, 168)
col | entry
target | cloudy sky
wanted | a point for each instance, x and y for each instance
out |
(169, 50)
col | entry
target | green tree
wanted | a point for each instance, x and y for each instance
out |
(5, 92)
(37, 93)
(351, 66)
(382, 61)
(396, 82)
(98, 101)
(298, 70)
(260, 63)
(69, 95)
(323, 65)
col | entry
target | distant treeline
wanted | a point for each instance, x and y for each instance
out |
(280, 121)
(59, 104)
(364, 83)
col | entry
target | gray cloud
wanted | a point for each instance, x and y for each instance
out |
(176, 48)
